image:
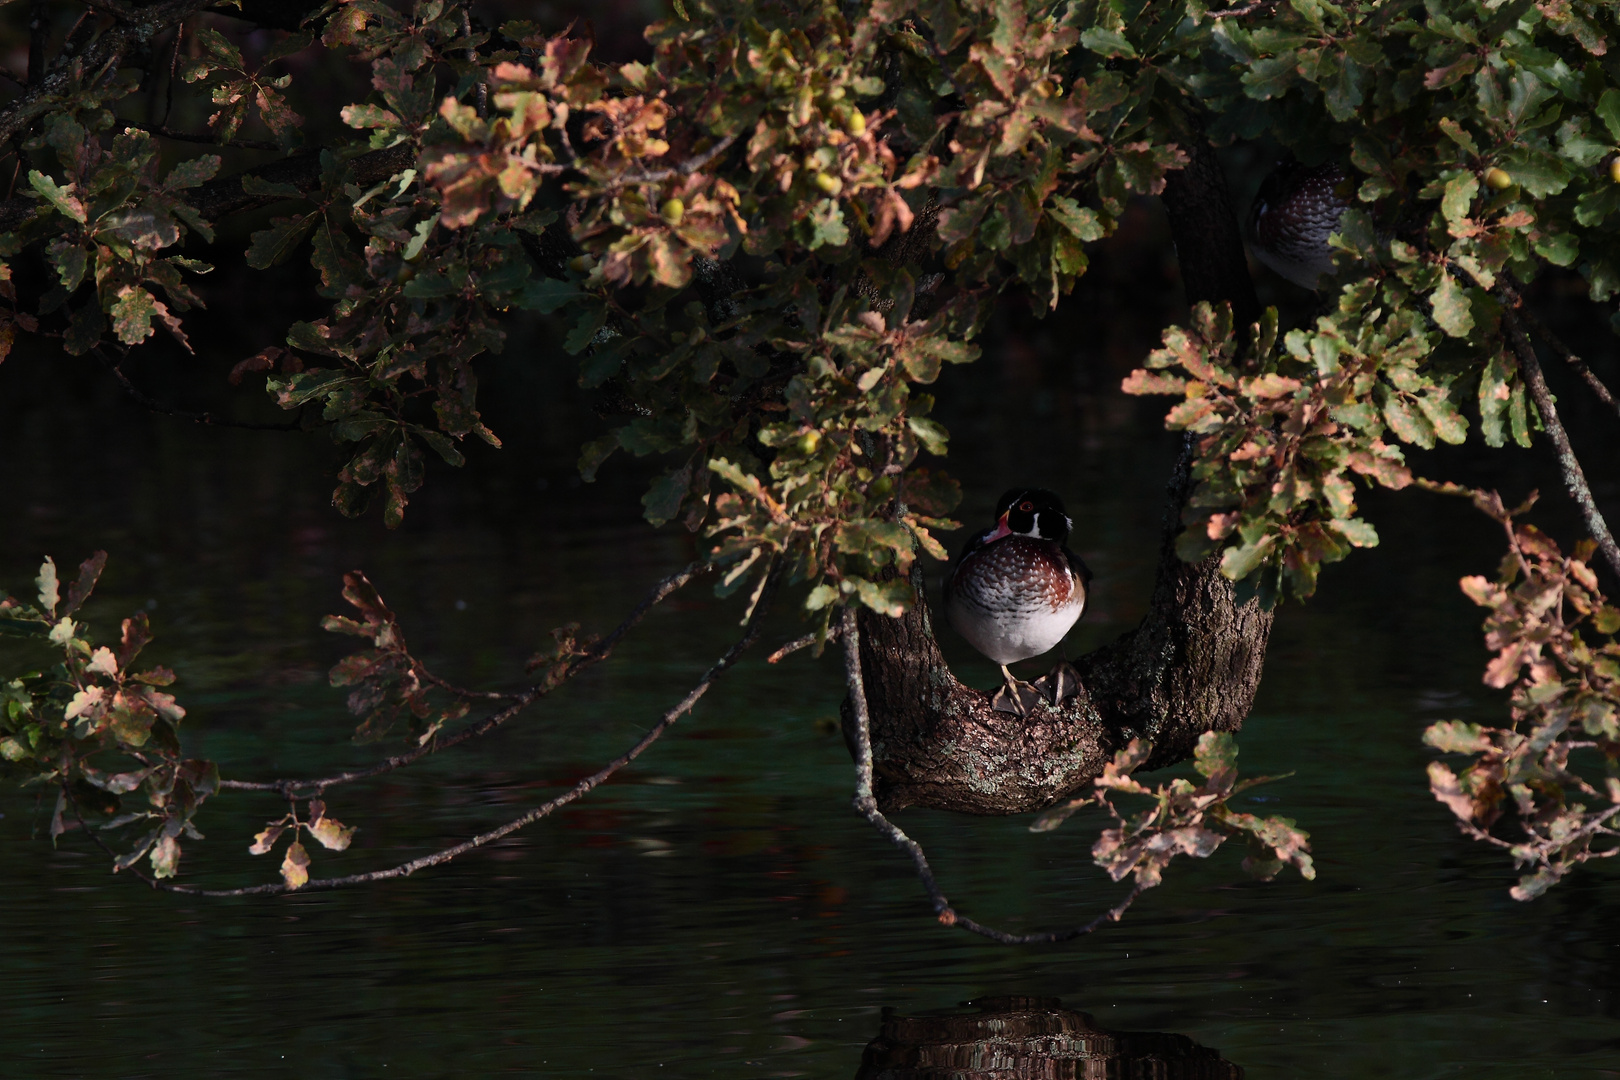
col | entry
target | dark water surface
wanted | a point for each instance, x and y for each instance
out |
(717, 909)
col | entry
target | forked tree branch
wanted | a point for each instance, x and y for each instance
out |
(1568, 463)
(1191, 666)
(521, 700)
(675, 712)
(865, 804)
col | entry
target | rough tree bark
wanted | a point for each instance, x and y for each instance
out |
(1193, 665)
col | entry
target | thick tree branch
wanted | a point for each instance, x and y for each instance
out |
(438, 858)
(1574, 476)
(1208, 239)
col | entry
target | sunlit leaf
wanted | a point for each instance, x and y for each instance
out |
(295, 866)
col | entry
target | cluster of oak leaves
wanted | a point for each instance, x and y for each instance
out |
(811, 139)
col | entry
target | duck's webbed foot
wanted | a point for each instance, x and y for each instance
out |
(1059, 685)
(1015, 696)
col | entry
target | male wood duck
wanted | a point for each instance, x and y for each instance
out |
(1016, 591)
(1296, 210)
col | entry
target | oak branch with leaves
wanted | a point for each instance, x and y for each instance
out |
(762, 242)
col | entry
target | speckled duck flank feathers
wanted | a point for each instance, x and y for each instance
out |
(1296, 210)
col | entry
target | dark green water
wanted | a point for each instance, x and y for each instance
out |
(717, 909)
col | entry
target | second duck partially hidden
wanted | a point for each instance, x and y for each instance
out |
(1017, 590)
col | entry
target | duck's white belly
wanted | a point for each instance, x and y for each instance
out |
(1017, 627)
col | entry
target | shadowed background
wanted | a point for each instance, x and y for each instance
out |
(718, 909)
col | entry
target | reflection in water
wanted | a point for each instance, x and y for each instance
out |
(1022, 1038)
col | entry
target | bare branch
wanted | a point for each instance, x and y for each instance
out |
(866, 805)
(461, 691)
(1574, 477)
(685, 168)
(1238, 12)
(1569, 357)
(675, 712)
(519, 701)
(481, 90)
(192, 137)
(144, 400)
(799, 643)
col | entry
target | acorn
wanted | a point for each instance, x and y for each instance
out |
(808, 442)
(1498, 179)
(1614, 168)
(672, 211)
(829, 184)
(855, 123)
(580, 264)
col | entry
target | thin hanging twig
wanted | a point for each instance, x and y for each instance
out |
(866, 805)
(674, 713)
(519, 701)
(1574, 477)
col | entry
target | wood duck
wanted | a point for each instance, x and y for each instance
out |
(1016, 591)
(1294, 213)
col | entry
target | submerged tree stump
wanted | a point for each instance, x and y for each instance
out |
(1030, 1037)
(1192, 665)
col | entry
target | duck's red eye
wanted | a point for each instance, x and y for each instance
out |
(1026, 506)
